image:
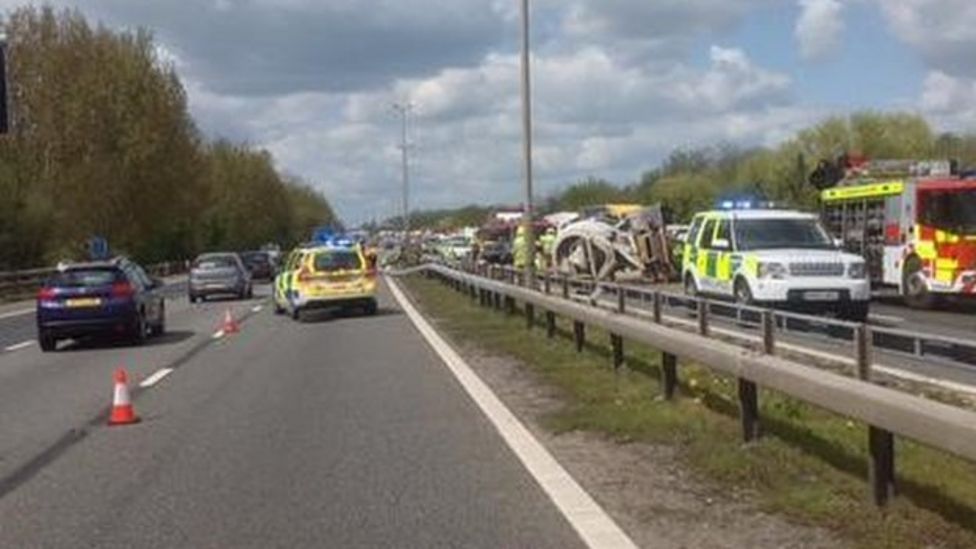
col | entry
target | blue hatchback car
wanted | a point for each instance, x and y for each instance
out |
(113, 297)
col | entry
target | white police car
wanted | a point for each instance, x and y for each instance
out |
(776, 258)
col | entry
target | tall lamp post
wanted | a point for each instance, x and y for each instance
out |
(404, 109)
(527, 215)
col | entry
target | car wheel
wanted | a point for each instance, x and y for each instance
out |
(161, 325)
(278, 309)
(691, 289)
(743, 295)
(47, 342)
(371, 308)
(140, 331)
(296, 314)
(250, 292)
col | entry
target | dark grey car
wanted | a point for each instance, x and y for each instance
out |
(219, 274)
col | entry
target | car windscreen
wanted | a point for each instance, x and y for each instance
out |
(85, 278)
(337, 260)
(766, 234)
(215, 262)
(257, 258)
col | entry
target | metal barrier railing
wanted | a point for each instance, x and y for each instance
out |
(886, 411)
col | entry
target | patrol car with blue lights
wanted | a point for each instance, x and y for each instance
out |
(330, 272)
(759, 255)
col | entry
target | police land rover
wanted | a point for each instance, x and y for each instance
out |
(772, 257)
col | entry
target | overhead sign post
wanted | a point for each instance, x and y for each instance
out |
(4, 95)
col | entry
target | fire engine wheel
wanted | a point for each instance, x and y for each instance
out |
(914, 291)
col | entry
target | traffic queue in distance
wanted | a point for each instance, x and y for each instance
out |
(117, 298)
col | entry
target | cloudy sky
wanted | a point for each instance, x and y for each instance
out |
(618, 83)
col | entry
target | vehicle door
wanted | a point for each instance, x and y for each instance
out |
(291, 275)
(707, 258)
(689, 252)
(155, 291)
(721, 249)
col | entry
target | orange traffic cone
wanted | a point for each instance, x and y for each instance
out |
(122, 411)
(230, 324)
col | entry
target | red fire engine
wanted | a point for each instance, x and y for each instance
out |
(914, 223)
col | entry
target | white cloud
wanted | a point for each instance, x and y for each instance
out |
(949, 101)
(819, 28)
(944, 31)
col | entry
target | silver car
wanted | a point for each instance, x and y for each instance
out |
(219, 274)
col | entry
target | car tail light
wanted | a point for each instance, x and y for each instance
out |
(123, 289)
(46, 294)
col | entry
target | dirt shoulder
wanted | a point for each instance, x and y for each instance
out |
(644, 487)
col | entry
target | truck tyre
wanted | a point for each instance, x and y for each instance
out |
(913, 290)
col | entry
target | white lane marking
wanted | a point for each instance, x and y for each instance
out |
(886, 319)
(590, 521)
(156, 377)
(257, 308)
(218, 334)
(13, 314)
(18, 346)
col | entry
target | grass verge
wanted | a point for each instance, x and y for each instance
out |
(811, 465)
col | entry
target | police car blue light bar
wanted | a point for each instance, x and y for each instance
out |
(745, 204)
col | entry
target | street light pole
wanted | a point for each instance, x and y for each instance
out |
(527, 214)
(404, 109)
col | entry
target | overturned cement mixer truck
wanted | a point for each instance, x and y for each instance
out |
(615, 243)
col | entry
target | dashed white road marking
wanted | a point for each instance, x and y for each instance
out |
(18, 346)
(257, 308)
(218, 334)
(591, 522)
(886, 319)
(13, 314)
(156, 377)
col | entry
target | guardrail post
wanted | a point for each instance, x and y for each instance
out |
(749, 409)
(657, 306)
(579, 335)
(510, 305)
(546, 284)
(881, 445)
(565, 287)
(621, 300)
(702, 316)
(529, 315)
(498, 301)
(550, 324)
(669, 375)
(617, 343)
(862, 351)
(768, 332)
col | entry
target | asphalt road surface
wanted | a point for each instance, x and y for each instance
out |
(341, 432)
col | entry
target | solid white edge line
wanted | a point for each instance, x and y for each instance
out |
(155, 377)
(591, 522)
(18, 346)
(13, 314)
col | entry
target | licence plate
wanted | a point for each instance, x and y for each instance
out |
(83, 302)
(821, 296)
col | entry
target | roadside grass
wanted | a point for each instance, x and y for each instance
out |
(810, 466)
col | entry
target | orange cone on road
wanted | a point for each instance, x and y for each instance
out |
(122, 411)
(230, 324)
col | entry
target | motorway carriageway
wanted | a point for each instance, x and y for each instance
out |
(342, 432)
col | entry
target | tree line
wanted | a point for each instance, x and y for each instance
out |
(694, 179)
(102, 143)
